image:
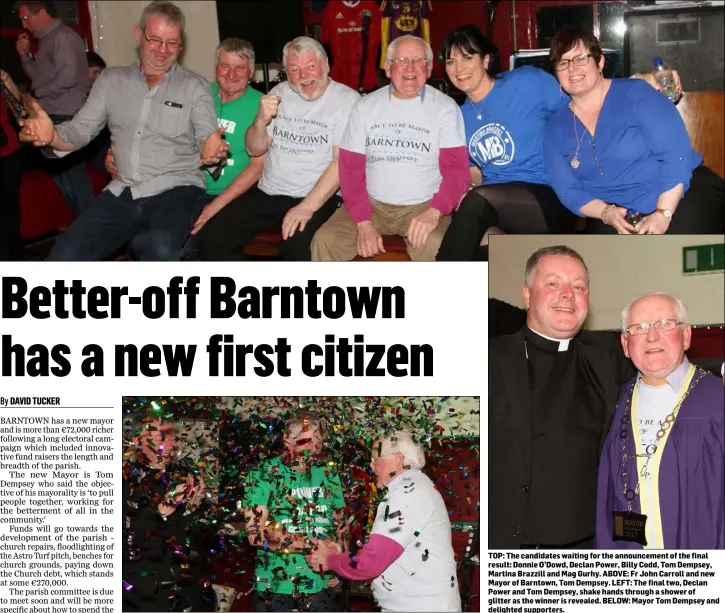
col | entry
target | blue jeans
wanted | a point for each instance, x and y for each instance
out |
(157, 226)
(71, 176)
(191, 250)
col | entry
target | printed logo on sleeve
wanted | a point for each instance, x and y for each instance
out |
(492, 144)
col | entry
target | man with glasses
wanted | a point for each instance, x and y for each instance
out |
(552, 391)
(163, 127)
(662, 473)
(59, 80)
(403, 164)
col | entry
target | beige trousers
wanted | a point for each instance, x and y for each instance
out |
(336, 240)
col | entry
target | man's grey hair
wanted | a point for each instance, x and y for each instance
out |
(296, 422)
(401, 441)
(168, 10)
(680, 308)
(390, 53)
(238, 47)
(300, 45)
(533, 262)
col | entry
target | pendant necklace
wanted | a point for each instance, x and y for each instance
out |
(480, 103)
(478, 110)
(575, 163)
(575, 160)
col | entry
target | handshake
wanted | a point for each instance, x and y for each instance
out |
(318, 558)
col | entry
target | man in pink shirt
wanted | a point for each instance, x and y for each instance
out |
(409, 555)
(403, 164)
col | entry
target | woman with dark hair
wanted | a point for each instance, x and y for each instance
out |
(619, 152)
(504, 117)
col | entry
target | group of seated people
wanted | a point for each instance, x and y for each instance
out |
(294, 510)
(198, 171)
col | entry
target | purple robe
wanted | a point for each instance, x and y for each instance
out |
(692, 473)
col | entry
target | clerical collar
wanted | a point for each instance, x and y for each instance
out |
(546, 342)
(675, 379)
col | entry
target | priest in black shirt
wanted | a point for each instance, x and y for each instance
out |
(552, 390)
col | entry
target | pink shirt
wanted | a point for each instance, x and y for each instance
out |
(371, 561)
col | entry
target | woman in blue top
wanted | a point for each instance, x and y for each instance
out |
(505, 116)
(620, 152)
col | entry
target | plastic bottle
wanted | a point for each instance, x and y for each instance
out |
(664, 78)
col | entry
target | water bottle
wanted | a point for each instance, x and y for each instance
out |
(664, 79)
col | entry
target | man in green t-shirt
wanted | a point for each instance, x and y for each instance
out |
(289, 503)
(236, 108)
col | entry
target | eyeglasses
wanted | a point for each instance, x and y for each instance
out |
(579, 60)
(407, 61)
(157, 43)
(665, 325)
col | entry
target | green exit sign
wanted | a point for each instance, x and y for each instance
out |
(703, 259)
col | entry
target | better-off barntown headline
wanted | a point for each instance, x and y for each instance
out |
(335, 356)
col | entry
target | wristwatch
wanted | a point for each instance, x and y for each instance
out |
(666, 212)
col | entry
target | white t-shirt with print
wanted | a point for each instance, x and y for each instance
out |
(416, 581)
(401, 140)
(303, 135)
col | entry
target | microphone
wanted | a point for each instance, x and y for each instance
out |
(366, 17)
